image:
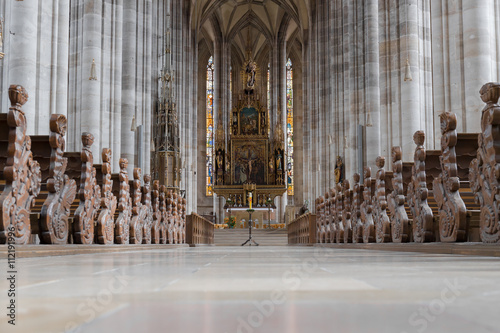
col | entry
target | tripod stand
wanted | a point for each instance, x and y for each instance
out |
(250, 230)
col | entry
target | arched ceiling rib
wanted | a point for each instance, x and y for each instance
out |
(234, 20)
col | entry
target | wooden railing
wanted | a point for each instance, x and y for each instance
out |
(302, 230)
(199, 230)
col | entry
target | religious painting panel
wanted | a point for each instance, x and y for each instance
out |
(249, 162)
(249, 121)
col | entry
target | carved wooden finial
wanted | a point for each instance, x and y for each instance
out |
(18, 96)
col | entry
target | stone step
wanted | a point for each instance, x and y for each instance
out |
(235, 237)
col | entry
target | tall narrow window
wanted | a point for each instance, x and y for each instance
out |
(289, 126)
(210, 126)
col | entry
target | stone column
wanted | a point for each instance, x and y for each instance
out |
(410, 120)
(23, 53)
(372, 109)
(62, 58)
(128, 82)
(117, 82)
(91, 89)
(478, 57)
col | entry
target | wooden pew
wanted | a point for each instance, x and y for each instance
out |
(380, 217)
(139, 211)
(333, 215)
(396, 200)
(357, 200)
(326, 218)
(367, 207)
(122, 222)
(339, 208)
(106, 217)
(147, 223)
(453, 223)
(423, 220)
(346, 213)
(20, 172)
(157, 214)
(484, 173)
(164, 215)
(55, 209)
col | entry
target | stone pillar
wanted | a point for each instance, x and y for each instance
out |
(91, 89)
(372, 104)
(62, 61)
(411, 114)
(23, 54)
(478, 57)
(116, 115)
(128, 82)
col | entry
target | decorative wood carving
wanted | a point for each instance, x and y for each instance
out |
(183, 226)
(170, 217)
(396, 200)
(147, 222)
(22, 174)
(321, 215)
(89, 194)
(105, 221)
(326, 218)
(122, 224)
(346, 214)
(339, 224)
(175, 218)
(367, 208)
(62, 190)
(138, 211)
(484, 172)
(333, 215)
(381, 220)
(357, 198)
(318, 220)
(157, 214)
(164, 216)
(452, 210)
(418, 192)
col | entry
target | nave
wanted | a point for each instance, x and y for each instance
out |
(256, 289)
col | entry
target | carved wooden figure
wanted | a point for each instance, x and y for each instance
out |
(380, 217)
(175, 218)
(417, 194)
(326, 218)
(333, 215)
(339, 225)
(105, 221)
(163, 217)
(184, 209)
(22, 175)
(54, 225)
(357, 198)
(321, 215)
(170, 218)
(346, 214)
(122, 224)
(367, 208)
(484, 172)
(147, 223)
(396, 200)
(138, 212)
(318, 219)
(89, 194)
(452, 210)
(157, 214)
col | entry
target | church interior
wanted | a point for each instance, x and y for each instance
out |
(249, 165)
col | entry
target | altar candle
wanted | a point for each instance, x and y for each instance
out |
(250, 199)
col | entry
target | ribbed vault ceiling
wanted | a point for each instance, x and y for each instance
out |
(257, 21)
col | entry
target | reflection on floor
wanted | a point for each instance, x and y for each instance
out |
(255, 289)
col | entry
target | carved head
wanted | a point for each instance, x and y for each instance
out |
(339, 188)
(380, 162)
(162, 188)
(332, 193)
(87, 139)
(147, 179)
(346, 184)
(123, 163)
(419, 138)
(17, 95)
(396, 153)
(448, 122)
(490, 92)
(367, 172)
(156, 185)
(58, 123)
(106, 155)
(137, 173)
(327, 195)
(356, 177)
(321, 200)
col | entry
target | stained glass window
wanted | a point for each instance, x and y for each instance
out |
(268, 86)
(289, 126)
(210, 126)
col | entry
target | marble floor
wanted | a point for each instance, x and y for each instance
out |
(255, 289)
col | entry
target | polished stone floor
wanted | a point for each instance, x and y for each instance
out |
(255, 289)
